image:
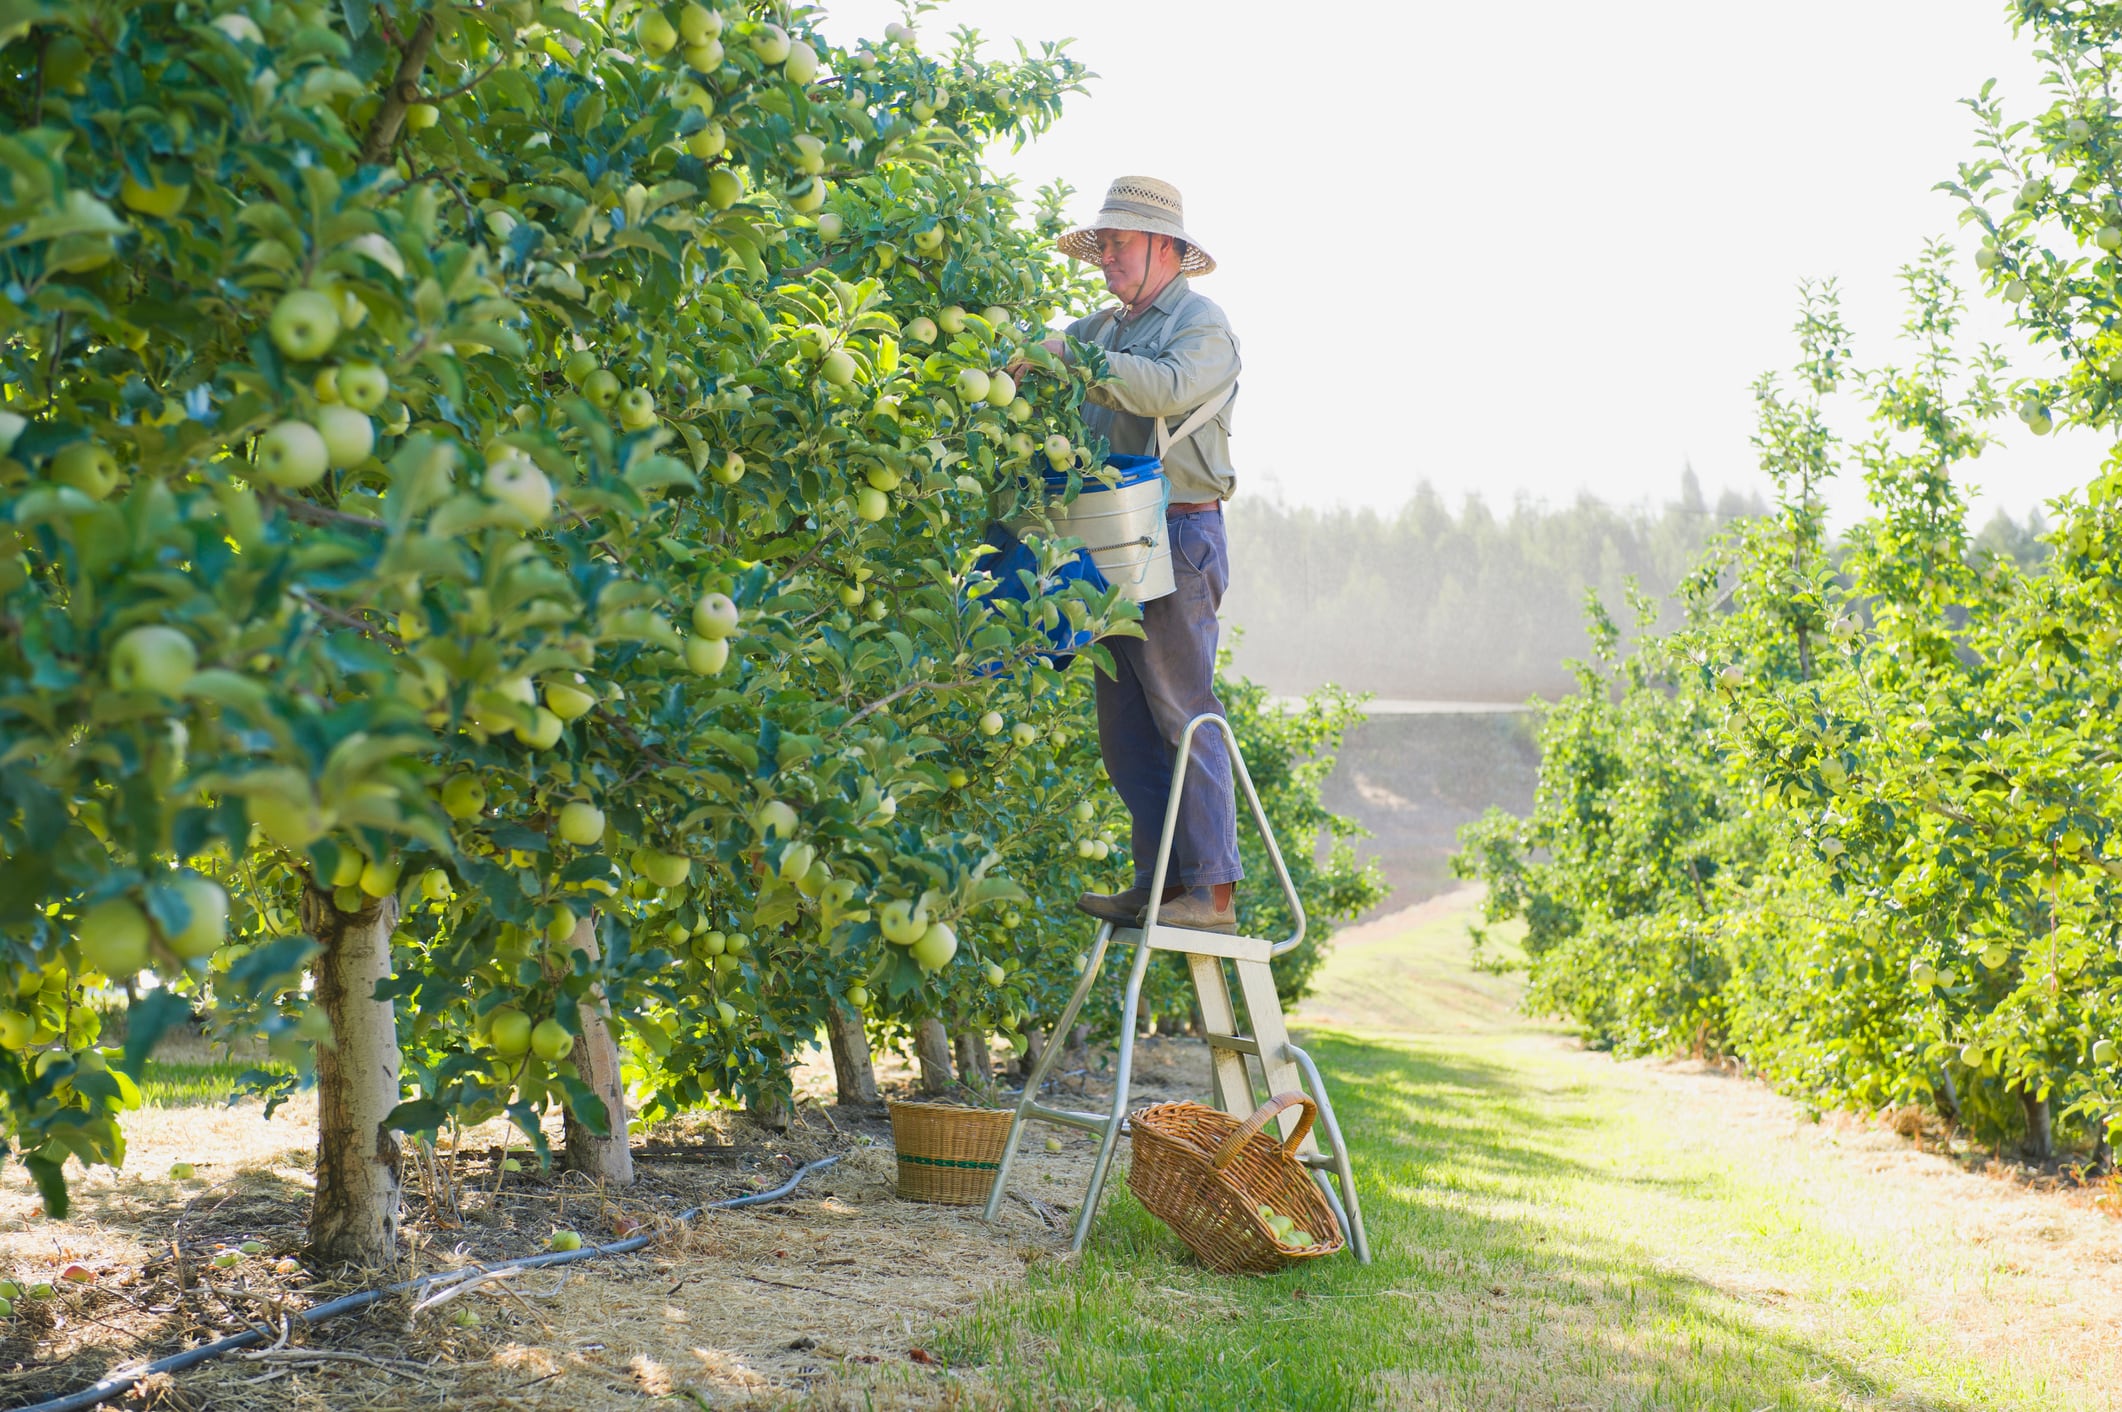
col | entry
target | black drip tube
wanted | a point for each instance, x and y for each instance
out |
(117, 1383)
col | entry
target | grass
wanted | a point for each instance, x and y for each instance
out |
(174, 1083)
(1546, 1237)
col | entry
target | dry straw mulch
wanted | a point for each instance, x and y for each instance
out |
(826, 1300)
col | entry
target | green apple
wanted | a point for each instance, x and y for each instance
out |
(882, 477)
(796, 860)
(902, 922)
(801, 65)
(161, 200)
(1971, 1055)
(1084, 811)
(551, 1041)
(2108, 237)
(208, 927)
(113, 938)
(2014, 290)
(807, 194)
(1001, 389)
(510, 1030)
(601, 388)
(851, 595)
(349, 436)
(568, 700)
(363, 386)
(88, 468)
(830, 225)
(581, 823)
(724, 188)
(810, 153)
(292, 455)
(872, 504)
(775, 818)
(858, 996)
(637, 408)
(1053, 1144)
(667, 869)
(434, 885)
(972, 385)
(579, 365)
(936, 946)
(1732, 677)
(543, 732)
(715, 615)
(697, 24)
(514, 480)
(706, 656)
(709, 141)
(995, 974)
(1020, 410)
(1058, 451)
(563, 1240)
(958, 779)
(998, 318)
(181, 1171)
(561, 925)
(951, 317)
(902, 34)
(17, 1030)
(991, 723)
(1024, 732)
(928, 242)
(920, 330)
(346, 871)
(155, 659)
(305, 323)
(657, 34)
(837, 369)
(714, 943)
(419, 117)
(2103, 1051)
(771, 44)
(42, 1289)
(729, 470)
(463, 797)
(379, 876)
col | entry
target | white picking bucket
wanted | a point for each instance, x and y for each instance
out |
(1124, 528)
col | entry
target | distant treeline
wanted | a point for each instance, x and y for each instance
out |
(1433, 604)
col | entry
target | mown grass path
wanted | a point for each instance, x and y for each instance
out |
(1558, 1230)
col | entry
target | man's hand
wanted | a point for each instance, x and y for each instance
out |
(1058, 347)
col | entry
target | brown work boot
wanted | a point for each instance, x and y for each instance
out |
(1196, 911)
(1122, 909)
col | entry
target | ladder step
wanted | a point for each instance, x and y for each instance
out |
(1188, 942)
(1089, 1122)
(1242, 1043)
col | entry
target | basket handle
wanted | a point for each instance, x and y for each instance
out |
(1269, 1111)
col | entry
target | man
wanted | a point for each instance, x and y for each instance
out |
(1174, 373)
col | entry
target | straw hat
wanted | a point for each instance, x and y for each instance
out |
(1139, 203)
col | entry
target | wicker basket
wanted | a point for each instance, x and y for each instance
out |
(948, 1154)
(1205, 1174)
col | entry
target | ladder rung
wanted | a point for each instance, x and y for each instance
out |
(1089, 1122)
(1244, 1044)
(1188, 942)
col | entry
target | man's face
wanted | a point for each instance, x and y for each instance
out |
(1125, 258)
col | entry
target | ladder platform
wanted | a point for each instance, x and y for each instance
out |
(1239, 1043)
(1188, 942)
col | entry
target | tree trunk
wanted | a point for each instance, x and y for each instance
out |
(932, 1048)
(853, 1074)
(354, 1217)
(1949, 1096)
(975, 1064)
(1034, 1046)
(596, 1056)
(2040, 1130)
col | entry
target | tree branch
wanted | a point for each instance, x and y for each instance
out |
(404, 91)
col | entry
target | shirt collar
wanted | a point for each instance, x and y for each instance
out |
(1167, 298)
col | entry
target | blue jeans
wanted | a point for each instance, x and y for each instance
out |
(1166, 678)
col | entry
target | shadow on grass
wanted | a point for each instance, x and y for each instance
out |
(1471, 1304)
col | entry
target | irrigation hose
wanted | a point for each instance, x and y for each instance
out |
(117, 1383)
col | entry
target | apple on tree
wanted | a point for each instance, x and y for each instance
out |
(305, 324)
(88, 467)
(293, 455)
(153, 658)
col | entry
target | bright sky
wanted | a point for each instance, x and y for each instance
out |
(1538, 250)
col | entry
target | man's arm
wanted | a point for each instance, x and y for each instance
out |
(1197, 362)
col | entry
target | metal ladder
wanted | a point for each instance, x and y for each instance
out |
(1282, 1065)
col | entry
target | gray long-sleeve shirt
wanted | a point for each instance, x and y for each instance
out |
(1174, 356)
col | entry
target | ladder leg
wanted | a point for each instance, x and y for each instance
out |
(1263, 1011)
(1358, 1239)
(1123, 1071)
(1233, 1084)
(1037, 1078)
